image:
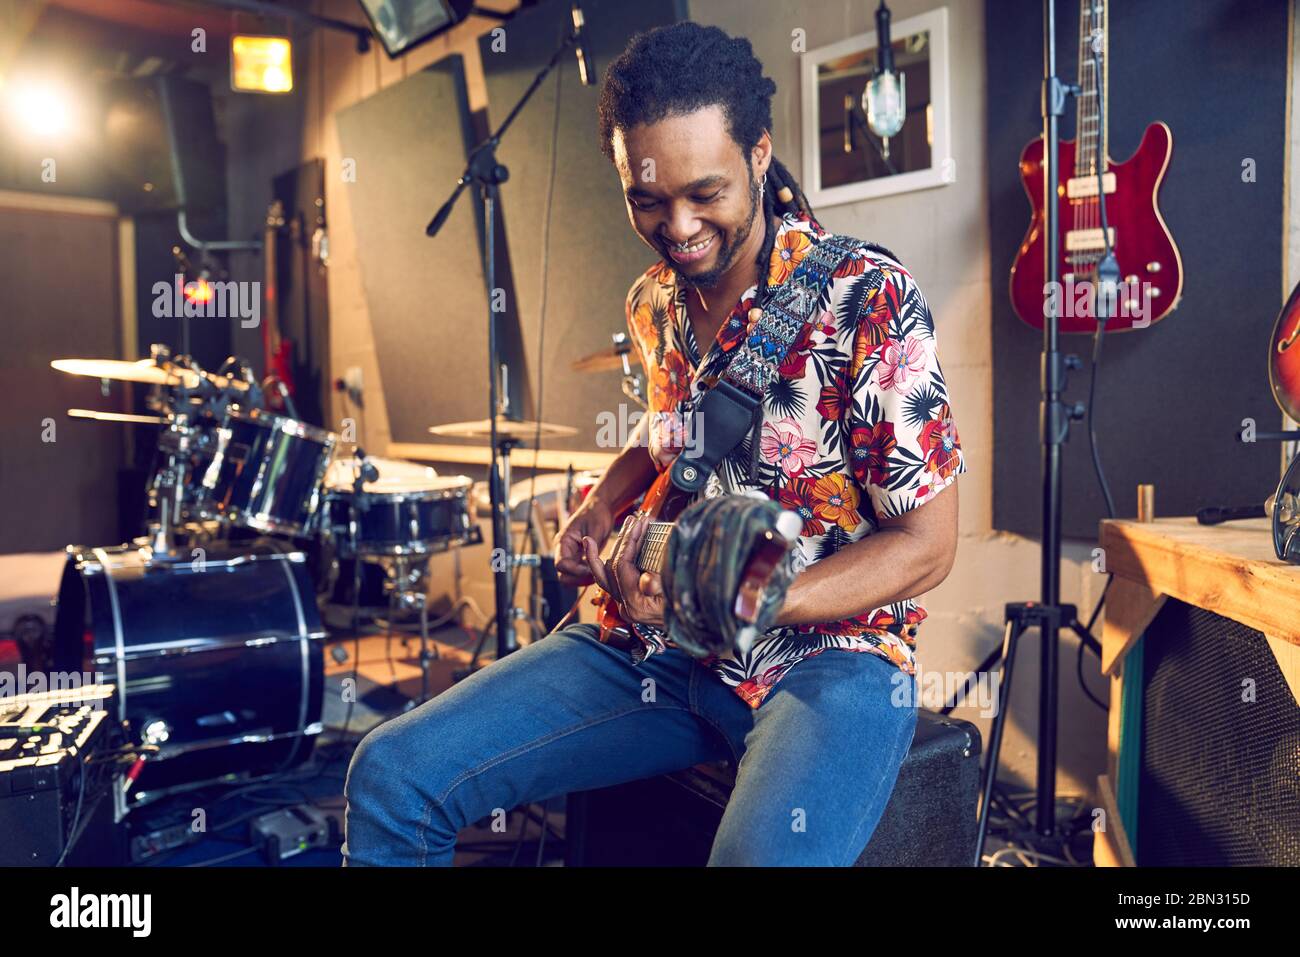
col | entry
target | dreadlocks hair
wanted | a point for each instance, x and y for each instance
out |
(678, 69)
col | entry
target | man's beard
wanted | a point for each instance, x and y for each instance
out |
(727, 254)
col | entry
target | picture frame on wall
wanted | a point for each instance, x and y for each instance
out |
(844, 161)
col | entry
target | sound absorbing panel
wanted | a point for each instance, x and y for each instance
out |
(1171, 397)
(594, 255)
(427, 304)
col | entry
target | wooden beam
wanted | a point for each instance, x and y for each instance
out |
(1110, 846)
(1130, 608)
(1228, 569)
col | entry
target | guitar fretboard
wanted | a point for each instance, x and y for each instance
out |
(654, 547)
(1090, 137)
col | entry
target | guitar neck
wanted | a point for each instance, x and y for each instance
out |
(270, 278)
(1090, 134)
(654, 548)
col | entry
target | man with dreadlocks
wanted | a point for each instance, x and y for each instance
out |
(856, 436)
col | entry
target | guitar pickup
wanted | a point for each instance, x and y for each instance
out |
(1082, 240)
(1081, 187)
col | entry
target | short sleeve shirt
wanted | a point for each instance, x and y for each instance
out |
(857, 428)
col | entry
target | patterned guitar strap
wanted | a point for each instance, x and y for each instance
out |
(733, 408)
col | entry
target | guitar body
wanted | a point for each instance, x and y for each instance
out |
(663, 503)
(279, 361)
(1141, 242)
(1284, 357)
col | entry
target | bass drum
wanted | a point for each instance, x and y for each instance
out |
(217, 659)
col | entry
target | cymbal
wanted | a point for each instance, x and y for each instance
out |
(512, 428)
(606, 360)
(116, 417)
(120, 370)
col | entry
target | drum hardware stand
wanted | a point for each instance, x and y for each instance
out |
(486, 172)
(168, 486)
(631, 381)
(406, 584)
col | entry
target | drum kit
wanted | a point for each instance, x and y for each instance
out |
(209, 625)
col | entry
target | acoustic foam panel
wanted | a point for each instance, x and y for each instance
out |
(1169, 397)
(593, 254)
(59, 277)
(427, 302)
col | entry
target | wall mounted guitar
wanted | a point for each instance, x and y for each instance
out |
(277, 351)
(1283, 506)
(1150, 266)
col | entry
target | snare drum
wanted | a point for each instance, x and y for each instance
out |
(266, 472)
(405, 518)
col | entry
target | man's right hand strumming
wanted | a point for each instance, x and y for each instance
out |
(594, 519)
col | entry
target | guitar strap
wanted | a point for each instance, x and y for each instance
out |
(733, 408)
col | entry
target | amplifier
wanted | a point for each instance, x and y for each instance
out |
(54, 795)
(929, 820)
(1219, 745)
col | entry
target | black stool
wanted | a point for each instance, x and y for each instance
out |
(929, 821)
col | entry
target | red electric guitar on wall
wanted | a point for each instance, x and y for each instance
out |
(1148, 259)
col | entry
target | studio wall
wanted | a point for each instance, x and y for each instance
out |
(1172, 397)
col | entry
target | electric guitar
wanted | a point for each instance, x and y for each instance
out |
(664, 502)
(1284, 357)
(1150, 266)
(277, 351)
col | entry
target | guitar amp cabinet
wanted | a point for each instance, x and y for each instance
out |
(1219, 782)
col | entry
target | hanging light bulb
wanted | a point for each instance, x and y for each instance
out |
(885, 98)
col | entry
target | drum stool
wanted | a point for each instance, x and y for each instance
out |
(929, 821)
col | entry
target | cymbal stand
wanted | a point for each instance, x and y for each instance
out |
(631, 381)
(167, 487)
(487, 173)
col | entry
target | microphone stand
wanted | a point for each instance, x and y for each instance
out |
(486, 172)
(1049, 616)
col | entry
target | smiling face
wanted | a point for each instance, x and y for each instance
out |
(692, 194)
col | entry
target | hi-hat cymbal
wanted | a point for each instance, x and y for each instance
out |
(606, 360)
(116, 417)
(512, 428)
(120, 370)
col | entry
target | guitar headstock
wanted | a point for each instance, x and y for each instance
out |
(275, 214)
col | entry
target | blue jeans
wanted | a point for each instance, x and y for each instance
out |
(816, 763)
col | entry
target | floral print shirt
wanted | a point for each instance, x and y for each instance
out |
(857, 428)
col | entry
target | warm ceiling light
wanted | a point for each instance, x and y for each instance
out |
(261, 64)
(41, 110)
